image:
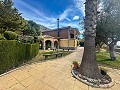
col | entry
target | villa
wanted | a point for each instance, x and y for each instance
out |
(62, 38)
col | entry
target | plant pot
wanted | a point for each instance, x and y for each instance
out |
(103, 72)
(75, 66)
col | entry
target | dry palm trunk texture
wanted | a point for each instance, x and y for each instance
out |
(89, 67)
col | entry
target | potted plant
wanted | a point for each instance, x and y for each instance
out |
(75, 63)
(103, 71)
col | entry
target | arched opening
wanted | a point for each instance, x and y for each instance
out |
(48, 44)
(56, 44)
(40, 45)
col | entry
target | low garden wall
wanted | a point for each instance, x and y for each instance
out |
(14, 53)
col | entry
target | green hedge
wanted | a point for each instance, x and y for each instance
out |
(14, 53)
(9, 35)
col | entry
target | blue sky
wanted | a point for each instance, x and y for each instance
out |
(46, 12)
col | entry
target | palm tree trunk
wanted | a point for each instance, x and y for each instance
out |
(89, 67)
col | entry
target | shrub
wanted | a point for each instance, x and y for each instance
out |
(26, 39)
(36, 39)
(103, 70)
(9, 35)
(76, 65)
(75, 62)
(14, 53)
(1, 37)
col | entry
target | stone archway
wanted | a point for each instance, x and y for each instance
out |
(47, 44)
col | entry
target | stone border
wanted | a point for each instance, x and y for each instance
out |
(91, 84)
(16, 68)
(23, 65)
(10, 71)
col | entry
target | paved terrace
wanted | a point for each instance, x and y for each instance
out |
(51, 75)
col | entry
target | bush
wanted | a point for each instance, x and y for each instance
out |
(1, 37)
(26, 39)
(9, 35)
(36, 39)
(14, 53)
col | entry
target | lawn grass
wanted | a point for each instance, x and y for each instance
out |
(103, 58)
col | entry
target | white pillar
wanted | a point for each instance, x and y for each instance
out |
(52, 44)
(44, 45)
(74, 33)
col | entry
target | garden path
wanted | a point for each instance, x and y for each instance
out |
(51, 75)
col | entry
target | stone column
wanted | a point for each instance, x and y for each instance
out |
(74, 34)
(52, 44)
(44, 45)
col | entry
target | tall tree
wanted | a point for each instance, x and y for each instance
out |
(108, 25)
(10, 18)
(89, 67)
(32, 29)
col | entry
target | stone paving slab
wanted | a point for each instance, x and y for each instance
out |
(51, 75)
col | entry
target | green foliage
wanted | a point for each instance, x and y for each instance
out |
(104, 59)
(26, 39)
(10, 19)
(75, 62)
(14, 53)
(103, 69)
(33, 29)
(9, 35)
(2, 37)
(36, 39)
(108, 23)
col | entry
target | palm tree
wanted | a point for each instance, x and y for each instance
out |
(89, 67)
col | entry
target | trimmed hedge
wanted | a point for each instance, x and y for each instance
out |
(2, 38)
(14, 53)
(9, 35)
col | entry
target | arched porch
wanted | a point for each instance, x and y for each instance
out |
(47, 41)
(48, 44)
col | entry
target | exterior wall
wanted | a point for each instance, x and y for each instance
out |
(64, 35)
(76, 42)
(54, 33)
(71, 44)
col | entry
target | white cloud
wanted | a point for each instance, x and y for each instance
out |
(82, 31)
(100, 6)
(51, 22)
(43, 19)
(76, 17)
(65, 14)
(68, 19)
(80, 5)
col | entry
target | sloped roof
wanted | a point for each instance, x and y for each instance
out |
(65, 28)
(46, 36)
